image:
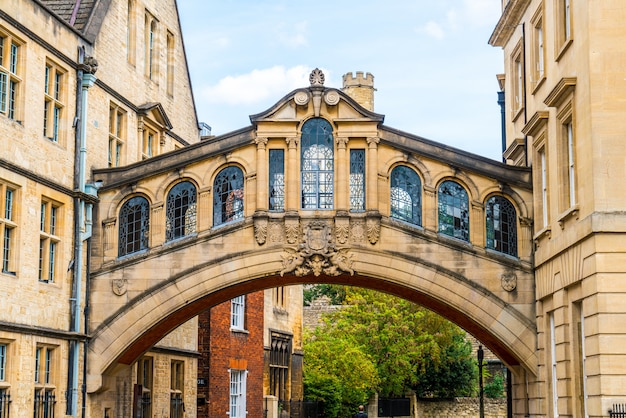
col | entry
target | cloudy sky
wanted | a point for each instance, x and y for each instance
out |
(434, 73)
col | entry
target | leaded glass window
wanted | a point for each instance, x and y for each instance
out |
(406, 195)
(277, 180)
(181, 211)
(134, 226)
(317, 164)
(228, 196)
(357, 179)
(501, 226)
(453, 210)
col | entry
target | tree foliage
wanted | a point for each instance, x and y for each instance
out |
(385, 344)
(336, 293)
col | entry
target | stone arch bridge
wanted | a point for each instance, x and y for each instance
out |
(316, 190)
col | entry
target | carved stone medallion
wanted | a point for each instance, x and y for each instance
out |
(119, 286)
(301, 98)
(331, 98)
(509, 281)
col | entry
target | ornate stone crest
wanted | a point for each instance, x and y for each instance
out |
(509, 281)
(119, 286)
(316, 254)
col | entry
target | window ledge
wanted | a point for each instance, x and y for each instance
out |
(564, 48)
(569, 213)
(545, 232)
(538, 84)
(517, 113)
(239, 331)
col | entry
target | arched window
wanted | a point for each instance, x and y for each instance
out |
(317, 164)
(501, 226)
(228, 196)
(453, 210)
(134, 226)
(406, 195)
(180, 217)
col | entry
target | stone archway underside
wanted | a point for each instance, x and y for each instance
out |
(144, 320)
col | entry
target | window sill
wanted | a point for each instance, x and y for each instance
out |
(517, 113)
(538, 84)
(544, 233)
(563, 49)
(569, 213)
(239, 331)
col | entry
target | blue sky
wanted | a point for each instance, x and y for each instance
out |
(434, 72)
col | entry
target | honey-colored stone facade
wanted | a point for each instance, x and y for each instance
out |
(565, 116)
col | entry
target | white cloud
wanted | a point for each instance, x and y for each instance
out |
(257, 86)
(433, 29)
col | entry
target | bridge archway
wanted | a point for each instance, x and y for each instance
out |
(138, 297)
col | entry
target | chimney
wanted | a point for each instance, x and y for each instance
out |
(360, 88)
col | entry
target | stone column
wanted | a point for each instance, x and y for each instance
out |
(341, 195)
(429, 208)
(261, 174)
(477, 223)
(204, 212)
(371, 196)
(292, 193)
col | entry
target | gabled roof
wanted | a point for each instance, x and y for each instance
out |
(84, 16)
(158, 113)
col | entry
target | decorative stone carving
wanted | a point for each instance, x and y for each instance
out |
(119, 286)
(292, 231)
(276, 232)
(316, 254)
(509, 281)
(260, 229)
(357, 232)
(331, 97)
(317, 77)
(301, 98)
(342, 232)
(373, 230)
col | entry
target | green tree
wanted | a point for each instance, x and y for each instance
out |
(337, 372)
(335, 292)
(407, 344)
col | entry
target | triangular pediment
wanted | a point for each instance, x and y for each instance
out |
(155, 112)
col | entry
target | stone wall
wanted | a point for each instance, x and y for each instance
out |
(461, 407)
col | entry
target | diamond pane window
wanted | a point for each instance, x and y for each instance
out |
(277, 180)
(181, 211)
(134, 224)
(317, 164)
(501, 226)
(453, 210)
(357, 180)
(406, 195)
(228, 196)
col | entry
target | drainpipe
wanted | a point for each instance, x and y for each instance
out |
(502, 122)
(82, 213)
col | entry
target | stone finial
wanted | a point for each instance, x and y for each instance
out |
(316, 78)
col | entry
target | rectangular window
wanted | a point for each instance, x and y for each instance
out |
(143, 393)
(3, 362)
(280, 359)
(53, 103)
(170, 63)
(117, 135)
(131, 32)
(45, 398)
(177, 374)
(544, 186)
(578, 321)
(150, 143)
(48, 241)
(571, 169)
(237, 393)
(357, 179)
(277, 180)
(10, 77)
(8, 227)
(518, 80)
(280, 297)
(538, 50)
(553, 364)
(151, 46)
(564, 21)
(237, 312)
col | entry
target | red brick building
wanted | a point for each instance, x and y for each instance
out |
(230, 369)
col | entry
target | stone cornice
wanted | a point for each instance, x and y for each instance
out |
(558, 94)
(536, 122)
(509, 20)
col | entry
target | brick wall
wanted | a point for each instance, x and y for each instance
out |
(222, 349)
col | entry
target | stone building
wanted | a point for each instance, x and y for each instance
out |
(82, 85)
(564, 117)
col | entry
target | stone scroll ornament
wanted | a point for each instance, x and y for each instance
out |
(317, 254)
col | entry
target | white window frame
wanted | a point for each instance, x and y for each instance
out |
(237, 312)
(237, 398)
